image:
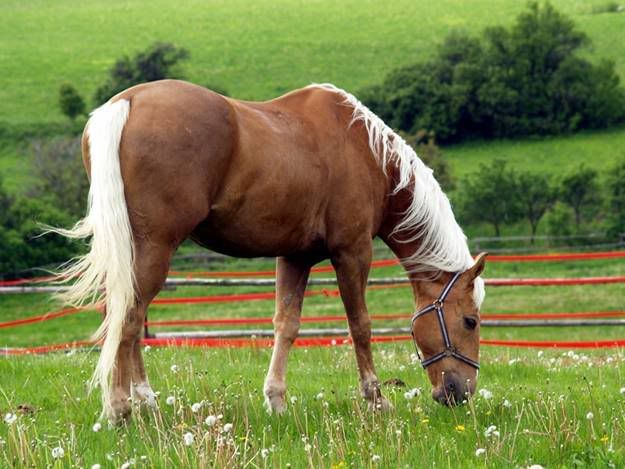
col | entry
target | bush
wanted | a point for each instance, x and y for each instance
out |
(71, 103)
(20, 234)
(155, 63)
(517, 81)
(60, 174)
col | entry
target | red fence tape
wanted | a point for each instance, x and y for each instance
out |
(573, 256)
(310, 342)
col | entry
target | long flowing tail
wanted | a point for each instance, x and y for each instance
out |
(105, 273)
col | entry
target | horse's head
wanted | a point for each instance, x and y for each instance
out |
(446, 328)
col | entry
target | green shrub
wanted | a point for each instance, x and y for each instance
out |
(517, 81)
(155, 63)
(71, 103)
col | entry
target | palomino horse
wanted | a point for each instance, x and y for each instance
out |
(308, 176)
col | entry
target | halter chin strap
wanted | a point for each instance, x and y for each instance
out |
(437, 306)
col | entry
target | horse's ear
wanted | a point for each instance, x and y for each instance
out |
(478, 267)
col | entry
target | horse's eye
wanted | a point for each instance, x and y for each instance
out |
(470, 323)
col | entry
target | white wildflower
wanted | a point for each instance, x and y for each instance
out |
(293, 399)
(264, 453)
(97, 427)
(171, 400)
(507, 404)
(228, 427)
(174, 368)
(486, 394)
(210, 420)
(58, 452)
(479, 452)
(319, 396)
(188, 438)
(10, 418)
(411, 394)
(195, 408)
(589, 416)
(376, 458)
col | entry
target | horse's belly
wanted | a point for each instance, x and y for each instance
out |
(267, 227)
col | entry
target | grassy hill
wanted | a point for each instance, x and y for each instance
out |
(259, 50)
(255, 50)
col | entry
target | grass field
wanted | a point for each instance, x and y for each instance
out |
(545, 421)
(259, 50)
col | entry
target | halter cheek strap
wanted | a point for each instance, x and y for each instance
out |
(438, 307)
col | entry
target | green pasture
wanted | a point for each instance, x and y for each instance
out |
(258, 50)
(545, 420)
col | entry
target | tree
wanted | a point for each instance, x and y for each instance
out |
(491, 195)
(60, 174)
(71, 103)
(430, 153)
(615, 185)
(155, 63)
(536, 195)
(580, 190)
(525, 79)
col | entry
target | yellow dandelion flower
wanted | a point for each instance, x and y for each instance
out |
(425, 420)
(459, 428)
(605, 439)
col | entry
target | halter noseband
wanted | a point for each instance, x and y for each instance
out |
(450, 350)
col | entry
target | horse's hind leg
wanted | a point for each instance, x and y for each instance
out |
(291, 279)
(151, 267)
(352, 270)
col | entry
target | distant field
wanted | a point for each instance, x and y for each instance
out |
(256, 50)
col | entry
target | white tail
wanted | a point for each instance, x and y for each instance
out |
(105, 273)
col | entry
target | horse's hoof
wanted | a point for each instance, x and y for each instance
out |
(275, 399)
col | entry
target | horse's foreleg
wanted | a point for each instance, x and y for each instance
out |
(352, 270)
(129, 377)
(291, 279)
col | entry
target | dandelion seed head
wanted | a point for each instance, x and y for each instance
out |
(58, 452)
(376, 458)
(264, 453)
(210, 420)
(228, 427)
(171, 400)
(97, 427)
(10, 418)
(479, 452)
(174, 368)
(188, 438)
(589, 416)
(486, 394)
(195, 408)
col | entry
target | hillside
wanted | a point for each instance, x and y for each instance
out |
(259, 50)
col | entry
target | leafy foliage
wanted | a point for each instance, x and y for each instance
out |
(490, 195)
(155, 63)
(22, 245)
(615, 186)
(580, 190)
(60, 173)
(70, 101)
(522, 80)
(536, 195)
(430, 153)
